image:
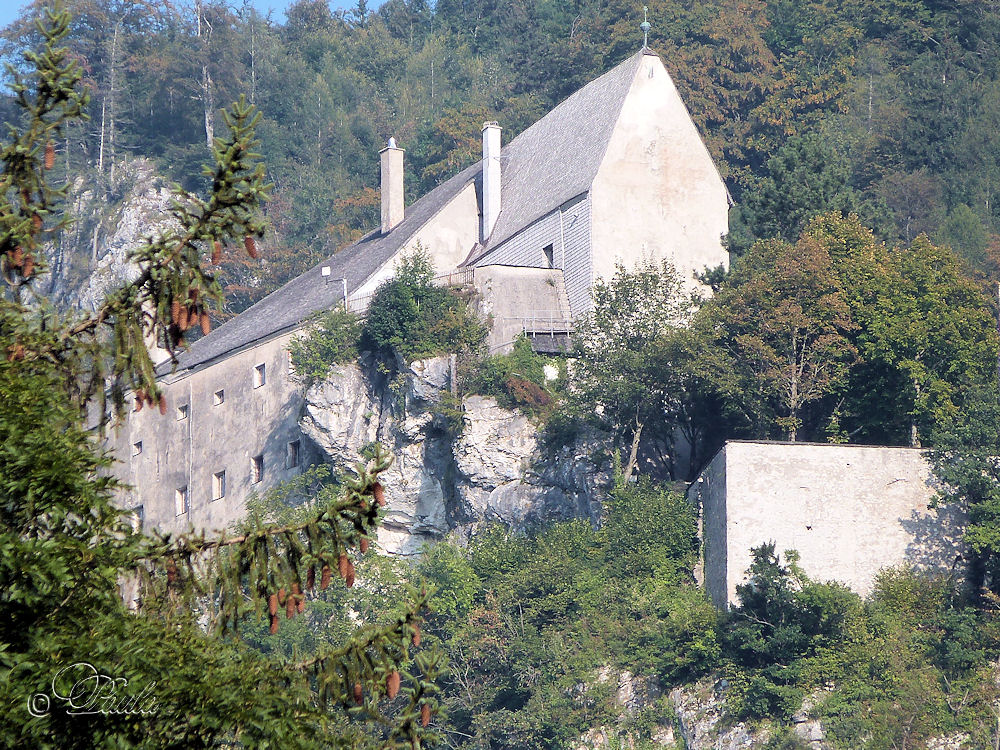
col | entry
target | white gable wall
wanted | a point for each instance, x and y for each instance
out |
(448, 237)
(657, 194)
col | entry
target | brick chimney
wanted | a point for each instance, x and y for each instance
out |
(392, 186)
(491, 178)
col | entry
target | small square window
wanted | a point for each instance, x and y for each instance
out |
(219, 397)
(257, 469)
(259, 378)
(549, 252)
(292, 457)
(182, 412)
(181, 501)
(136, 448)
(219, 485)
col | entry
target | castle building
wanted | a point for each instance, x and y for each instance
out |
(615, 174)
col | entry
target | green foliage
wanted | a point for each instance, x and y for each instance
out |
(80, 586)
(529, 622)
(782, 620)
(410, 317)
(964, 460)
(331, 340)
(517, 380)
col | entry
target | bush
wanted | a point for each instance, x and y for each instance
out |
(411, 317)
(516, 380)
(332, 340)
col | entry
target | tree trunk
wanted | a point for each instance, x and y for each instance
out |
(207, 98)
(633, 455)
(111, 102)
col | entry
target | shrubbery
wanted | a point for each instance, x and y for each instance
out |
(333, 340)
(517, 380)
(412, 317)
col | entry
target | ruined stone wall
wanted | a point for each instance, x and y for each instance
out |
(849, 511)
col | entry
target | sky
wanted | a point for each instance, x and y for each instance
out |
(9, 9)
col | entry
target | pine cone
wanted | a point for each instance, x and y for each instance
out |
(163, 404)
(290, 607)
(364, 544)
(50, 155)
(251, 245)
(392, 684)
(416, 634)
(216, 252)
(274, 624)
(17, 256)
(171, 571)
(379, 491)
(311, 577)
(140, 399)
(358, 693)
(324, 580)
(298, 598)
(425, 715)
(206, 324)
(28, 267)
(175, 311)
(272, 605)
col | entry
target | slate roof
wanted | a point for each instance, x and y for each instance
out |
(557, 158)
(551, 162)
(309, 293)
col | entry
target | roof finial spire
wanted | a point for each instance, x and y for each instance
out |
(645, 26)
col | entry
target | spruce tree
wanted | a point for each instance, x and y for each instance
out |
(68, 550)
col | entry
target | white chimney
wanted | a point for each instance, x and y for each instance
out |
(491, 177)
(392, 186)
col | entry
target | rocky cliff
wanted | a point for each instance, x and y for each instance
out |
(458, 465)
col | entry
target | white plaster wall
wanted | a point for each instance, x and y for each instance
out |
(657, 193)
(850, 511)
(448, 237)
(175, 453)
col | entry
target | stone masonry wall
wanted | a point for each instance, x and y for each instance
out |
(848, 510)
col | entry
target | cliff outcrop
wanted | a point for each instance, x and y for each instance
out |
(459, 463)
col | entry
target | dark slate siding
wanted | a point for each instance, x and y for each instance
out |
(578, 268)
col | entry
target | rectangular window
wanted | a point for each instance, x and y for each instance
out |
(257, 469)
(292, 459)
(219, 398)
(258, 376)
(182, 412)
(549, 256)
(181, 501)
(219, 485)
(136, 448)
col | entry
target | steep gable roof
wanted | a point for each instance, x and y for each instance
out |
(551, 162)
(310, 293)
(557, 158)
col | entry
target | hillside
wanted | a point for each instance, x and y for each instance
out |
(884, 108)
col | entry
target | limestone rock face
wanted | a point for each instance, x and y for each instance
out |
(492, 470)
(142, 209)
